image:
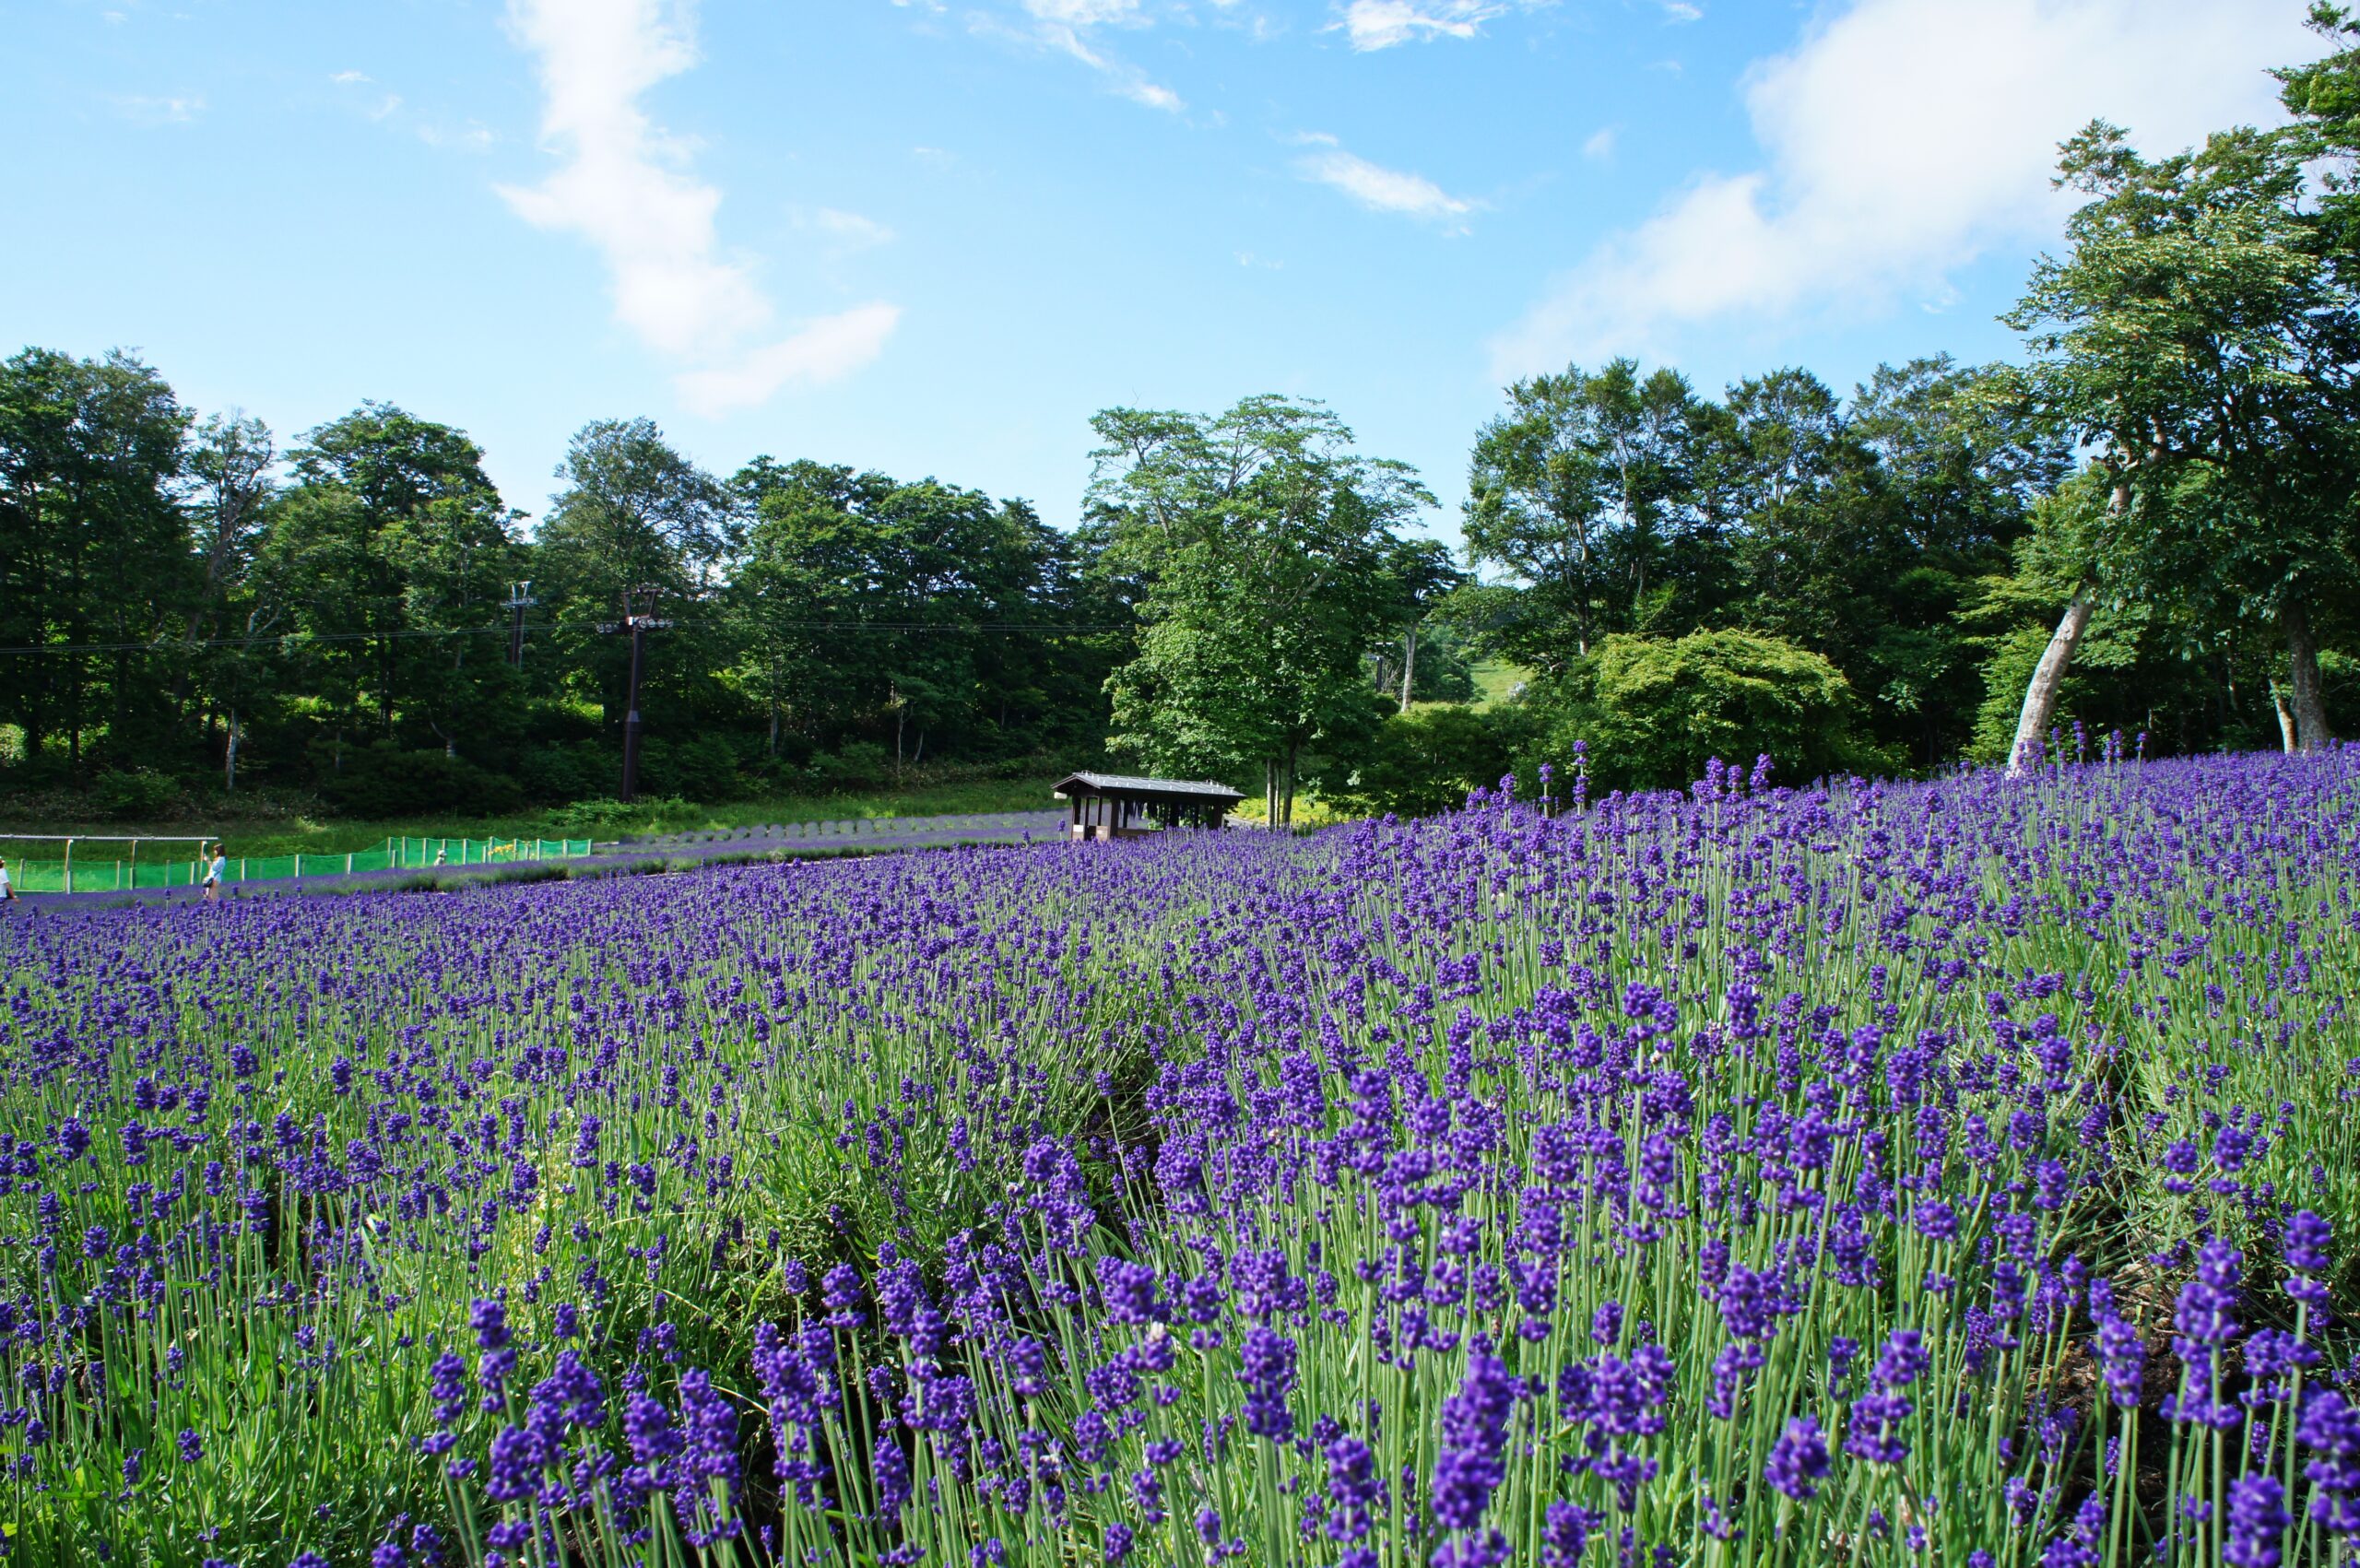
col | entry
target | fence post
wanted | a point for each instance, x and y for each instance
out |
(69, 864)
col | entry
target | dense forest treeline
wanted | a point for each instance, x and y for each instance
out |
(2148, 527)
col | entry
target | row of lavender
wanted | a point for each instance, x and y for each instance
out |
(1959, 1173)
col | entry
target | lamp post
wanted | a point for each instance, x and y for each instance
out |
(639, 619)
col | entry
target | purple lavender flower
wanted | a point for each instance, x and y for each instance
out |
(1268, 1374)
(1474, 1441)
(1797, 1460)
(2256, 1523)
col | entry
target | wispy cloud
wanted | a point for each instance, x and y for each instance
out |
(1681, 11)
(1076, 29)
(167, 111)
(1381, 24)
(1375, 187)
(473, 136)
(849, 230)
(626, 186)
(1902, 139)
(382, 105)
(1600, 146)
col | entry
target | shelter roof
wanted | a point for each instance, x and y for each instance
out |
(1134, 784)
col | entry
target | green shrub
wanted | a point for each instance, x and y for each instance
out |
(386, 781)
(1654, 711)
(2340, 677)
(701, 767)
(556, 773)
(604, 818)
(135, 794)
(1426, 761)
(856, 764)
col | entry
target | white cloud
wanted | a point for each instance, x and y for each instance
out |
(1377, 187)
(347, 79)
(1600, 146)
(1381, 24)
(627, 187)
(1901, 140)
(1681, 11)
(819, 351)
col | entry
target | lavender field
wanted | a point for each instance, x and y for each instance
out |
(1956, 1173)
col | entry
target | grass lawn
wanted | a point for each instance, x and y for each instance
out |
(339, 836)
(1494, 679)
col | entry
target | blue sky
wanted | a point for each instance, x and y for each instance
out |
(932, 238)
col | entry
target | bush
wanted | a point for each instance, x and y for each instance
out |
(2339, 676)
(1655, 711)
(1426, 761)
(556, 773)
(703, 767)
(386, 781)
(136, 795)
(604, 818)
(856, 764)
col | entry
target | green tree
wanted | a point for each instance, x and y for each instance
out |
(94, 560)
(1583, 490)
(232, 489)
(2197, 323)
(635, 514)
(923, 614)
(1261, 537)
(1863, 530)
(390, 552)
(1419, 575)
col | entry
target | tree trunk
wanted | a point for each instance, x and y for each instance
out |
(2311, 732)
(1269, 791)
(2286, 717)
(2048, 679)
(229, 757)
(1409, 663)
(1286, 800)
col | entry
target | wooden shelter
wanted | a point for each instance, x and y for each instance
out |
(1116, 805)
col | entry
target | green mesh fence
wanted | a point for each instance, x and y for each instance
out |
(90, 874)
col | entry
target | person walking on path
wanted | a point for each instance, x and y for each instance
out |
(214, 867)
(7, 888)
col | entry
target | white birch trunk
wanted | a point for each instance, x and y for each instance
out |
(2047, 680)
